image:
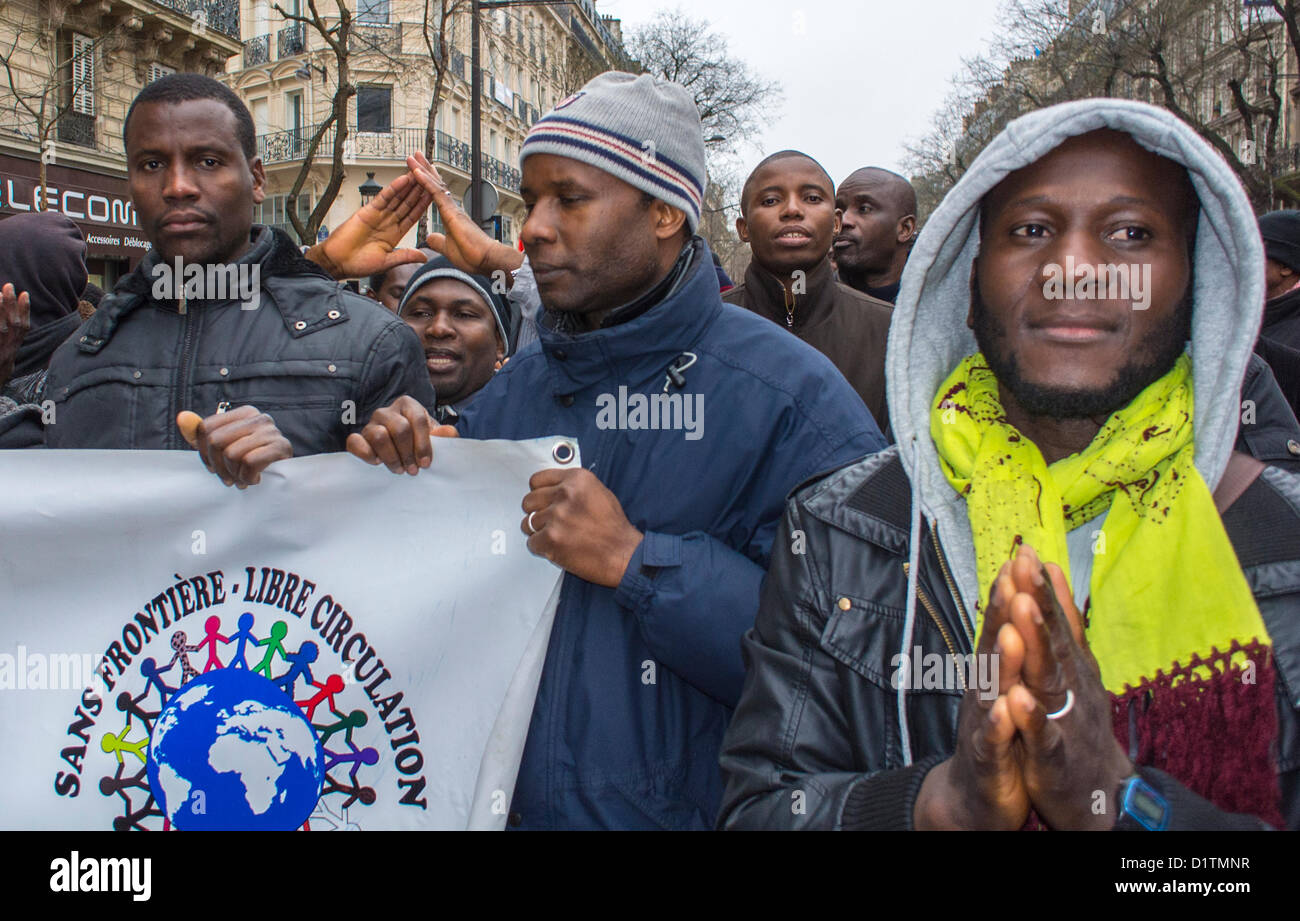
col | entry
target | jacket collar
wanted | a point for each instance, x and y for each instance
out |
(1283, 307)
(643, 345)
(271, 248)
(811, 305)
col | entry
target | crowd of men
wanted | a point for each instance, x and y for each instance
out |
(956, 549)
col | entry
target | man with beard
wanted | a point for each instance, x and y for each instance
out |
(917, 666)
(665, 532)
(788, 218)
(878, 218)
(288, 342)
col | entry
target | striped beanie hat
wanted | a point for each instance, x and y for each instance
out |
(642, 129)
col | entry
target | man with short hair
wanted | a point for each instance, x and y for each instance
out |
(916, 665)
(295, 374)
(878, 225)
(388, 286)
(788, 218)
(693, 420)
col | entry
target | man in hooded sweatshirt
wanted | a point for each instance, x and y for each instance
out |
(42, 272)
(917, 666)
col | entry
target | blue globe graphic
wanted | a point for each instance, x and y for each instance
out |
(232, 751)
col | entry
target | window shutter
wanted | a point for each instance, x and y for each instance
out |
(83, 74)
(157, 71)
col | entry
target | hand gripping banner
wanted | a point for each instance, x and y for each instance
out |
(334, 648)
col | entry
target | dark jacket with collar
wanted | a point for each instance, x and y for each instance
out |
(1282, 319)
(819, 710)
(639, 680)
(316, 357)
(848, 327)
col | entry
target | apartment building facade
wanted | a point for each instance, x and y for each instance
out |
(288, 75)
(70, 71)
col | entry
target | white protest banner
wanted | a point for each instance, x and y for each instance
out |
(334, 648)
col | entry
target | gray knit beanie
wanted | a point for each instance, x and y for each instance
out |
(642, 129)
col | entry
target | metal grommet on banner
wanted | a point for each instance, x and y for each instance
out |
(563, 452)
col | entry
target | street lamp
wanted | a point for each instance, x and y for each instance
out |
(369, 189)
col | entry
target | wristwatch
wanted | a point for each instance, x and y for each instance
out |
(1141, 807)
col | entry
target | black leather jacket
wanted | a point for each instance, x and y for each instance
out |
(316, 357)
(815, 739)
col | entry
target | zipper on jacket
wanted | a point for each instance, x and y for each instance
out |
(952, 587)
(182, 371)
(938, 622)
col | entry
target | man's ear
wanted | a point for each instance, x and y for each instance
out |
(839, 220)
(907, 228)
(668, 220)
(742, 230)
(259, 180)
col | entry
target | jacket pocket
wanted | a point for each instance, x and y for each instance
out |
(869, 639)
(98, 408)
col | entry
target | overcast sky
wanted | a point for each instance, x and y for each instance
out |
(859, 76)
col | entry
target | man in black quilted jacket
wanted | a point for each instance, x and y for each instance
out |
(224, 336)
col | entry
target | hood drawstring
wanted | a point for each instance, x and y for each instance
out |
(909, 618)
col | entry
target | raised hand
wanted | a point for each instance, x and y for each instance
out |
(367, 242)
(466, 244)
(15, 320)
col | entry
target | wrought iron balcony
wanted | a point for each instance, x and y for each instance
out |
(386, 39)
(395, 145)
(257, 50)
(291, 40)
(500, 175)
(220, 15)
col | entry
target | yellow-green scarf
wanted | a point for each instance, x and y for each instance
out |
(1165, 578)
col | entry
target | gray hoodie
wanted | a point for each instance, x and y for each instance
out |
(929, 335)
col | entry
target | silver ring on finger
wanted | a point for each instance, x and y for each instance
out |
(529, 524)
(1065, 708)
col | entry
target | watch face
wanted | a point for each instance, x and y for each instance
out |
(1145, 804)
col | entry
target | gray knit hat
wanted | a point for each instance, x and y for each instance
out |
(642, 129)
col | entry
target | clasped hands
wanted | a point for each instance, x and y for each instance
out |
(1010, 756)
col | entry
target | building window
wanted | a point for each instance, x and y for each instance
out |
(157, 71)
(372, 12)
(272, 211)
(83, 74)
(375, 109)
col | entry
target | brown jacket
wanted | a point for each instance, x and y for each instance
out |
(848, 327)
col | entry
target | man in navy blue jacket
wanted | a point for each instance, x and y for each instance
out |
(695, 419)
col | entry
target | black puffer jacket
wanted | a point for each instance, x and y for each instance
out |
(815, 740)
(316, 357)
